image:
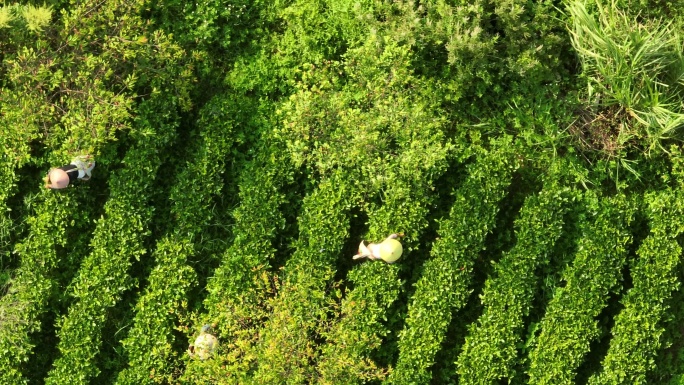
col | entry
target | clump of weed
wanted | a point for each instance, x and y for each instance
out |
(5, 16)
(634, 71)
(36, 18)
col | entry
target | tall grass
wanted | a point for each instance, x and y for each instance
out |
(635, 70)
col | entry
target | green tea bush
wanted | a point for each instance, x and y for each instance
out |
(490, 349)
(5, 16)
(118, 240)
(569, 325)
(33, 19)
(406, 200)
(377, 126)
(296, 35)
(83, 77)
(26, 301)
(149, 342)
(286, 345)
(240, 287)
(636, 336)
(337, 115)
(36, 18)
(444, 284)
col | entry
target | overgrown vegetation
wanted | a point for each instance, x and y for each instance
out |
(634, 70)
(244, 149)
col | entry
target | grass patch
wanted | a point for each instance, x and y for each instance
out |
(634, 74)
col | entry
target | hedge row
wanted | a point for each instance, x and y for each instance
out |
(443, 287)
(638, 327)
(240, 286)
(19, 130)
(375, 285)
(23, 307)
(149, 342)
(570, 325)
(118, 240)
(286, 345)
(490, 348)
(404, 131)
(79, 108)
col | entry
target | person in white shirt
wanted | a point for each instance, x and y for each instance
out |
(80, 168)
(388, 250)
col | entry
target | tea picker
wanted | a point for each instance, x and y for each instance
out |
(388, 250)
(205, 344)
(80, 168)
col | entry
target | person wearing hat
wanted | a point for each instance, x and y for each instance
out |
(388, 250)
(205, 344)
(79, 168)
